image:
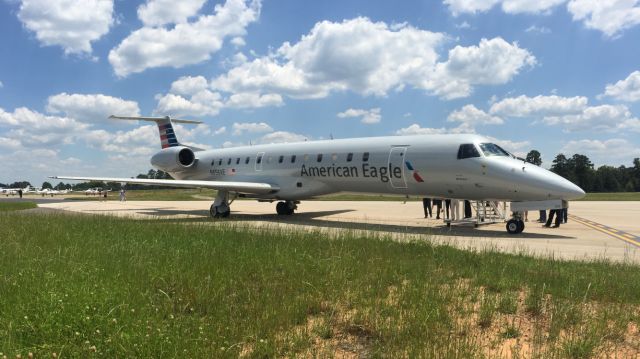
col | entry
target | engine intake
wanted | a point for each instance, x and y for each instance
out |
(174, 159)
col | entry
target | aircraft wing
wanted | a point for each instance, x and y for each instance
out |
(234, 186)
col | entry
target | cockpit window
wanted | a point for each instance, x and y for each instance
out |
(467, 150)
(491, 149)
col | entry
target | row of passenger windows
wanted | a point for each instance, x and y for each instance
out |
(281, 159)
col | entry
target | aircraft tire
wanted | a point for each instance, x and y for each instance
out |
(513, 226)
(520, 226)
(216, 213)
(281, 208)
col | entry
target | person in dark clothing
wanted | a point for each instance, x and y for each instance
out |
(543, 216)
(557, 213)
(20, 193)
(467, 209)
(426, 204)
(565, 214)
(447, 207)
(438, 204)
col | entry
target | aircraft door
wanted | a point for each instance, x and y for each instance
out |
(259, 160)
(396, 160)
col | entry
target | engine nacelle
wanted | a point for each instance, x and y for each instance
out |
(174, 159)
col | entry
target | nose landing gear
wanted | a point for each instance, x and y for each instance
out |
(515, 225)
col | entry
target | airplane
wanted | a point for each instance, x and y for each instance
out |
(51, 192)
(14, 191)
(457, 166)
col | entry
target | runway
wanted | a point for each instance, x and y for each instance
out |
(577, 240)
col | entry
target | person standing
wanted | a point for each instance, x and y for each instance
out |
(557, 213)
(565, 214)
(426, 205)
(447, 208)
(20, 192)
(543, 216)
(467, 209)
(438, 204)
(123, 197)
(455, 209)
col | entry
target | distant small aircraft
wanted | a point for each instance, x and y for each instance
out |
(96, 191)
(436, 166)
(14, 191)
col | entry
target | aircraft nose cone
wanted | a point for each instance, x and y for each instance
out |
(570, 191)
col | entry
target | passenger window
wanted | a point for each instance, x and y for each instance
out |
(467, 150)
(246, 161)
(320, 157)
(220, 162)
(280, 159)
(365, 157)
(293, 159)
(213, 162)
(229, 161)
(259, 159)
(349, 157)
(238, 160)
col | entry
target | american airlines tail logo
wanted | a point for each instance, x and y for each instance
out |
(416, 175)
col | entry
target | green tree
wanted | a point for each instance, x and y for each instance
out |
(583, 172)
(46, 185)
(534, 157)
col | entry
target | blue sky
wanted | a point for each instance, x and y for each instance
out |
(553, 75)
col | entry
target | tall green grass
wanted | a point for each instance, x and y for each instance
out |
(75, 285)
(16, 206)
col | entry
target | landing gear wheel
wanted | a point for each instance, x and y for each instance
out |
(513, 226)
(285, 208)
(520, 226)
(221, 211)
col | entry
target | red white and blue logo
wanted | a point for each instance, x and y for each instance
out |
(167, 136)
(416, 174)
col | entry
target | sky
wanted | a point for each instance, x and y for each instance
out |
(559, 76)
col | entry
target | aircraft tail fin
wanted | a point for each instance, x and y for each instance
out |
(165, 127)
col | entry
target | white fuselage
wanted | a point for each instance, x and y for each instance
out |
(424, 165)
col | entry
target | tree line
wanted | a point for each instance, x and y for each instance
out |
(580, 170)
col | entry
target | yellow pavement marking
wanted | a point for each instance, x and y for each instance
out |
(607, 232)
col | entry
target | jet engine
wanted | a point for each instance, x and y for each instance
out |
(174, 159)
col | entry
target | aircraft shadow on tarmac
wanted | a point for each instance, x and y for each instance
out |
(313, 219)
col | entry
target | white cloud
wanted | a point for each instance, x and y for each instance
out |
(71, 24)
(610, 17)
(463, 25)
(416, 129)
(509, 6)
(253, 100)
(611, 151)
(250, 127)
(161, 12)
(524, 106)
(188, 85)
(610, 118)
(370, 116)
(625, 90)
(91, 108)
(281, 137)
(492, 62)
(186, 43)
(200, 104)
(220, 131)
(372, 58)
(538, 29)
(471, 115)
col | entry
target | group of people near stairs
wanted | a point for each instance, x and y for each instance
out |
(449, 208)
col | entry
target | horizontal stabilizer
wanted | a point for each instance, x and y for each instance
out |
(235, 186)
(152, 119)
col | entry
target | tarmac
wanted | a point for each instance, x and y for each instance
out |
(595, 230)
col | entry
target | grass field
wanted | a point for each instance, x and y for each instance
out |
(16, 206)
(80, 286)
(615, 196)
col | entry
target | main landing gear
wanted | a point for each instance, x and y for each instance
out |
(220, 207)
(286, 207)
(515, 225)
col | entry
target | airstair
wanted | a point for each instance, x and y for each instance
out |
(483, 212)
